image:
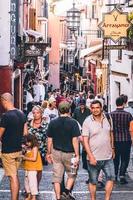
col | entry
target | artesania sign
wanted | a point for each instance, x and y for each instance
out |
(115, 25)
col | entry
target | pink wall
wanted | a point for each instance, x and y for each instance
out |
(54, 58)
(25, 16)
(93, 75)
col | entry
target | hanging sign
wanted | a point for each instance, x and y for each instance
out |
(33, 49)
(115, 25)
(114, 47)
(13, 24)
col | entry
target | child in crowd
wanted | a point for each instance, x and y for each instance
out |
(32, 164)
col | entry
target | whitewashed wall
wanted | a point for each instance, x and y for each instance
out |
(4, 32)
(123, 66)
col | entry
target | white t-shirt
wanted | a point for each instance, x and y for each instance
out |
(29, 97)
(39, 92)
(51, 113)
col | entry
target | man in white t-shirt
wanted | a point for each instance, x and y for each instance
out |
(51, 111)
(98, 142)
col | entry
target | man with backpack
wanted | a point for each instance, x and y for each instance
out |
(99, 145)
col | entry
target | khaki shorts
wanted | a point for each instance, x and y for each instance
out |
(61, 163)
(11, 163)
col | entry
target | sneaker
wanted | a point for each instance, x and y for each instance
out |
(65, 196)
(87, 182)
(71, 196)
(123, 181)
(24, 194)
(38, 196)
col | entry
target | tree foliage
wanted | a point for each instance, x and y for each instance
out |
(130, 31)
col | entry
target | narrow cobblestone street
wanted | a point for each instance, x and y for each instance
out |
(120, 192)
(66, 81)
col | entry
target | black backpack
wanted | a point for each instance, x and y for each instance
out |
(108, 118)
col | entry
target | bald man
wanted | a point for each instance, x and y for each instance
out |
(11, 132)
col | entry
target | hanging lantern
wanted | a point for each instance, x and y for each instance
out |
(73, 19)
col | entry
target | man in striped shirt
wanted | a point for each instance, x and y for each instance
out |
(123, 135)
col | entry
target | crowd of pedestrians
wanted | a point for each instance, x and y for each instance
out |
(53, 132)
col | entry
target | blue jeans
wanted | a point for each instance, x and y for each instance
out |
(108, 168)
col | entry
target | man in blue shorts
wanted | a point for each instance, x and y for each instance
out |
(99, 145)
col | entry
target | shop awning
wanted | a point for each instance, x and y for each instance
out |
(91, 57)
(33, 33)
(90, 50)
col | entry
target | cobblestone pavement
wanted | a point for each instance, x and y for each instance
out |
(80, 190)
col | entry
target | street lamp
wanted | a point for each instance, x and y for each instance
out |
(73, 19)
(73, 24)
